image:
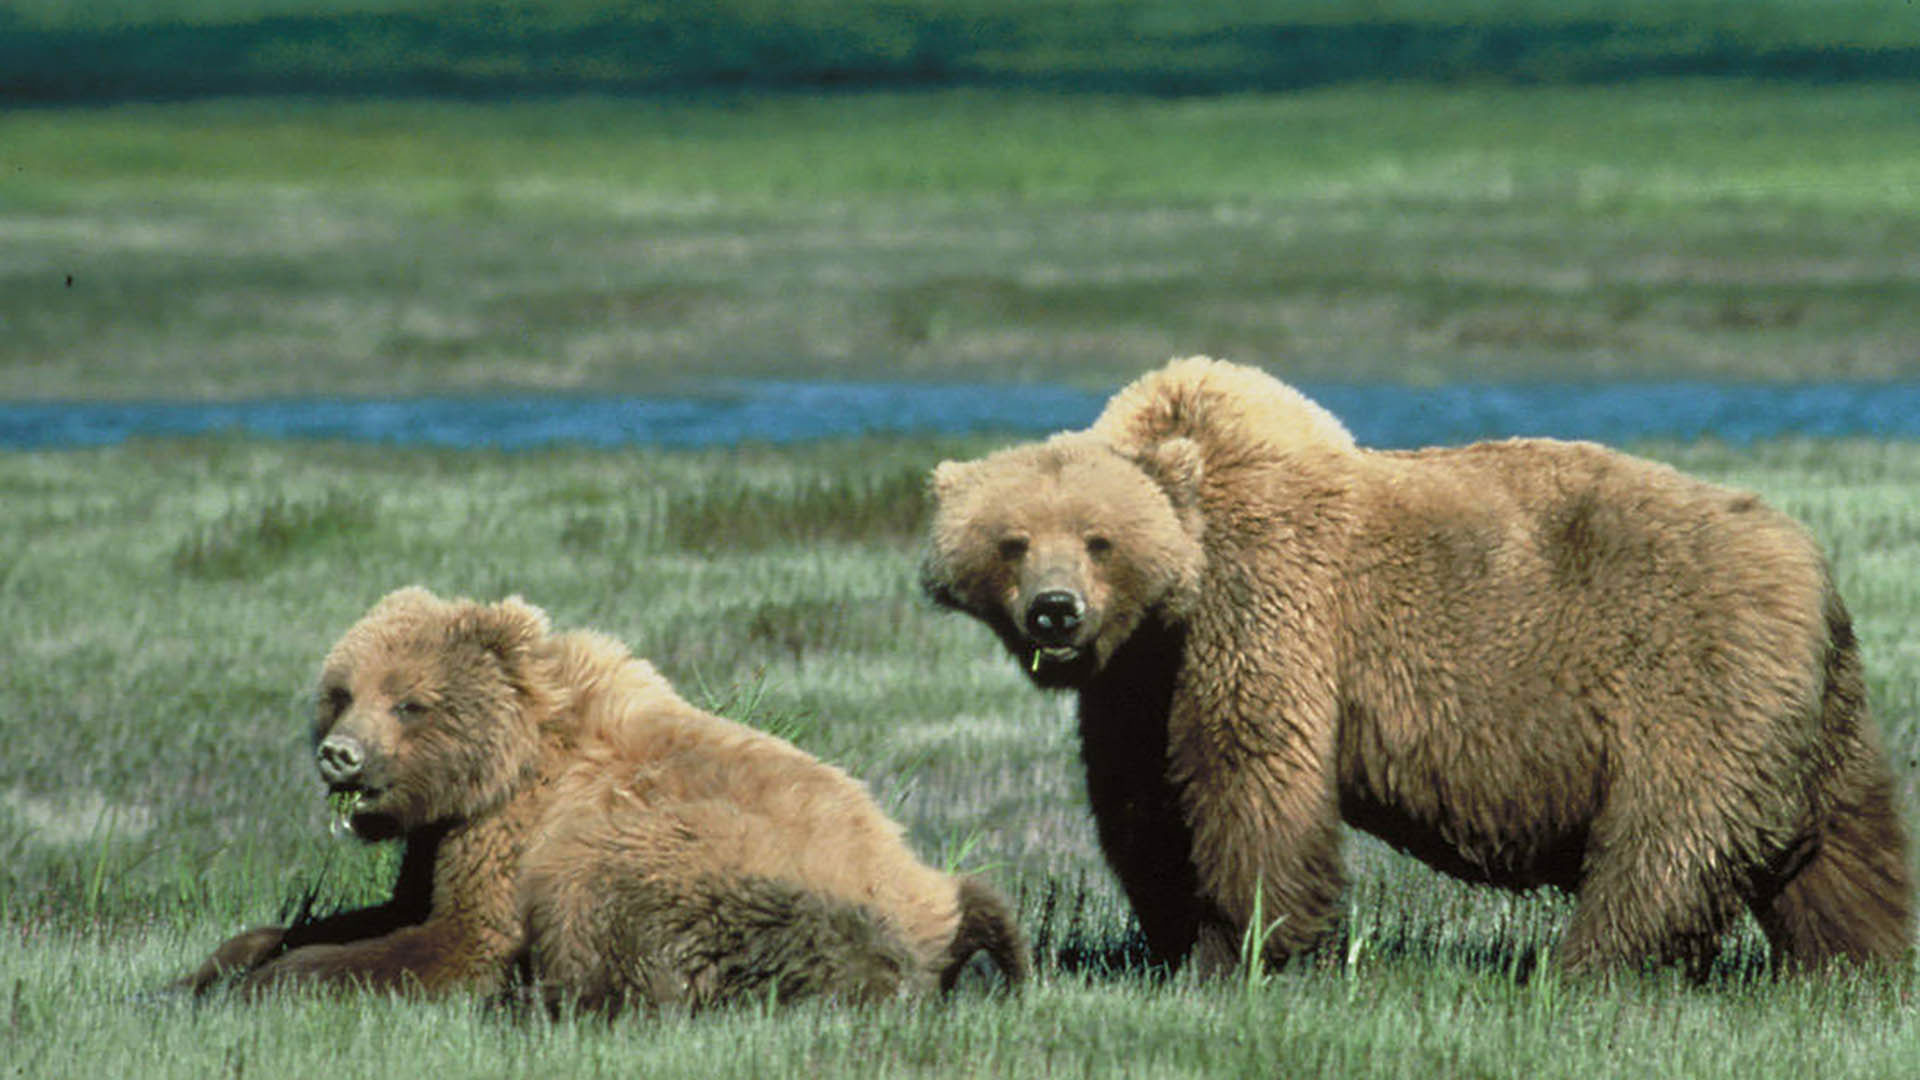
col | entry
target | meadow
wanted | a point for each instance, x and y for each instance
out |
(168, 602)
(258, 246)
(220, 199)
(119, 49)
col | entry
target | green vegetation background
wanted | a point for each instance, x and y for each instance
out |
(58, 50)
(255, 246)
(225, 199)
(221, 200)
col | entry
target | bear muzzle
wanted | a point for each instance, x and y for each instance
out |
(350, 768)
(1056, 626)
(355, 782)
(340, 759)
(1054, 617)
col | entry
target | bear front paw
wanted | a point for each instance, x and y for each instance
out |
(242, 952)
(305, 966)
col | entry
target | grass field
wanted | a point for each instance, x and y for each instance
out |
(984, 205)
(168, 602)
(120, 49)
(260, 246)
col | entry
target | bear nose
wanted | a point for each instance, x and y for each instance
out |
(1053, 617)
(339, 758)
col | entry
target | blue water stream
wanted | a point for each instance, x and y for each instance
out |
(784, 412)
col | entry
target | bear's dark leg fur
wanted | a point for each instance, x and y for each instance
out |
(418, 942)
(411, 902)
(1123, 743)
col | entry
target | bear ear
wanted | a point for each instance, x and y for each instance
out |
(1177, 466)
(950, 477)
(507, 629)
(410, 598)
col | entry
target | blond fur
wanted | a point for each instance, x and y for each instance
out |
(1225, 407)
(1527, 662)
(568, 815)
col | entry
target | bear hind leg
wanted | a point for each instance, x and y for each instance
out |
(755, 938)
(1649, 895)
(632, 941)
(1851, 894)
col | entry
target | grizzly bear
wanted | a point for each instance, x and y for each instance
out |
(1526, 663)
(576, 830)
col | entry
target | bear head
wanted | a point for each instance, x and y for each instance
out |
(428, 712)
(1065, 547)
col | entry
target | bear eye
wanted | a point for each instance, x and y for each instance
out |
(409, 710)
(335, 700)
(1013, 547)
(1098, 546)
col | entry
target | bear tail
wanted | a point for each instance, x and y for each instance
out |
(1851, 894)
(986, 924)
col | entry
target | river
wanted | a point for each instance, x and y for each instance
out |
(785, 412)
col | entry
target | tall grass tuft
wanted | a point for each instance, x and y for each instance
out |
(251, 540)
(733, 514)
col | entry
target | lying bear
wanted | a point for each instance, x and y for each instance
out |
(567, 816)
(1526, 662)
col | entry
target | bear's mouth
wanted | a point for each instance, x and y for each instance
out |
(350, 810)
(1053, 654)
(1059, 666)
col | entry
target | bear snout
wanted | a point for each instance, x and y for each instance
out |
(340, 759)
(1054, 617)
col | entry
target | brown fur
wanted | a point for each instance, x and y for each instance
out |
(1527, 662)
(566, 813)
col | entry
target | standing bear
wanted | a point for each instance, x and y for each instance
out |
(568, 816)
(1526, 662)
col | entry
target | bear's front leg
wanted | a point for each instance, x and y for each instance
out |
(1266, 822)
(250, 949)
(1245, 847)
(1147, 845)
(242, 952)
(427, 959)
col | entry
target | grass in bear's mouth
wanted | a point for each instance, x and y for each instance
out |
(1053, 654)
(341, 804)
(1059, 667)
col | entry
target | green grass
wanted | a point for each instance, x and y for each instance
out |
(248, 540)
(156, 793)
(166, 602)
(1669, 229)
(1379, 1022)
(1830, 21)
(139, 48)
